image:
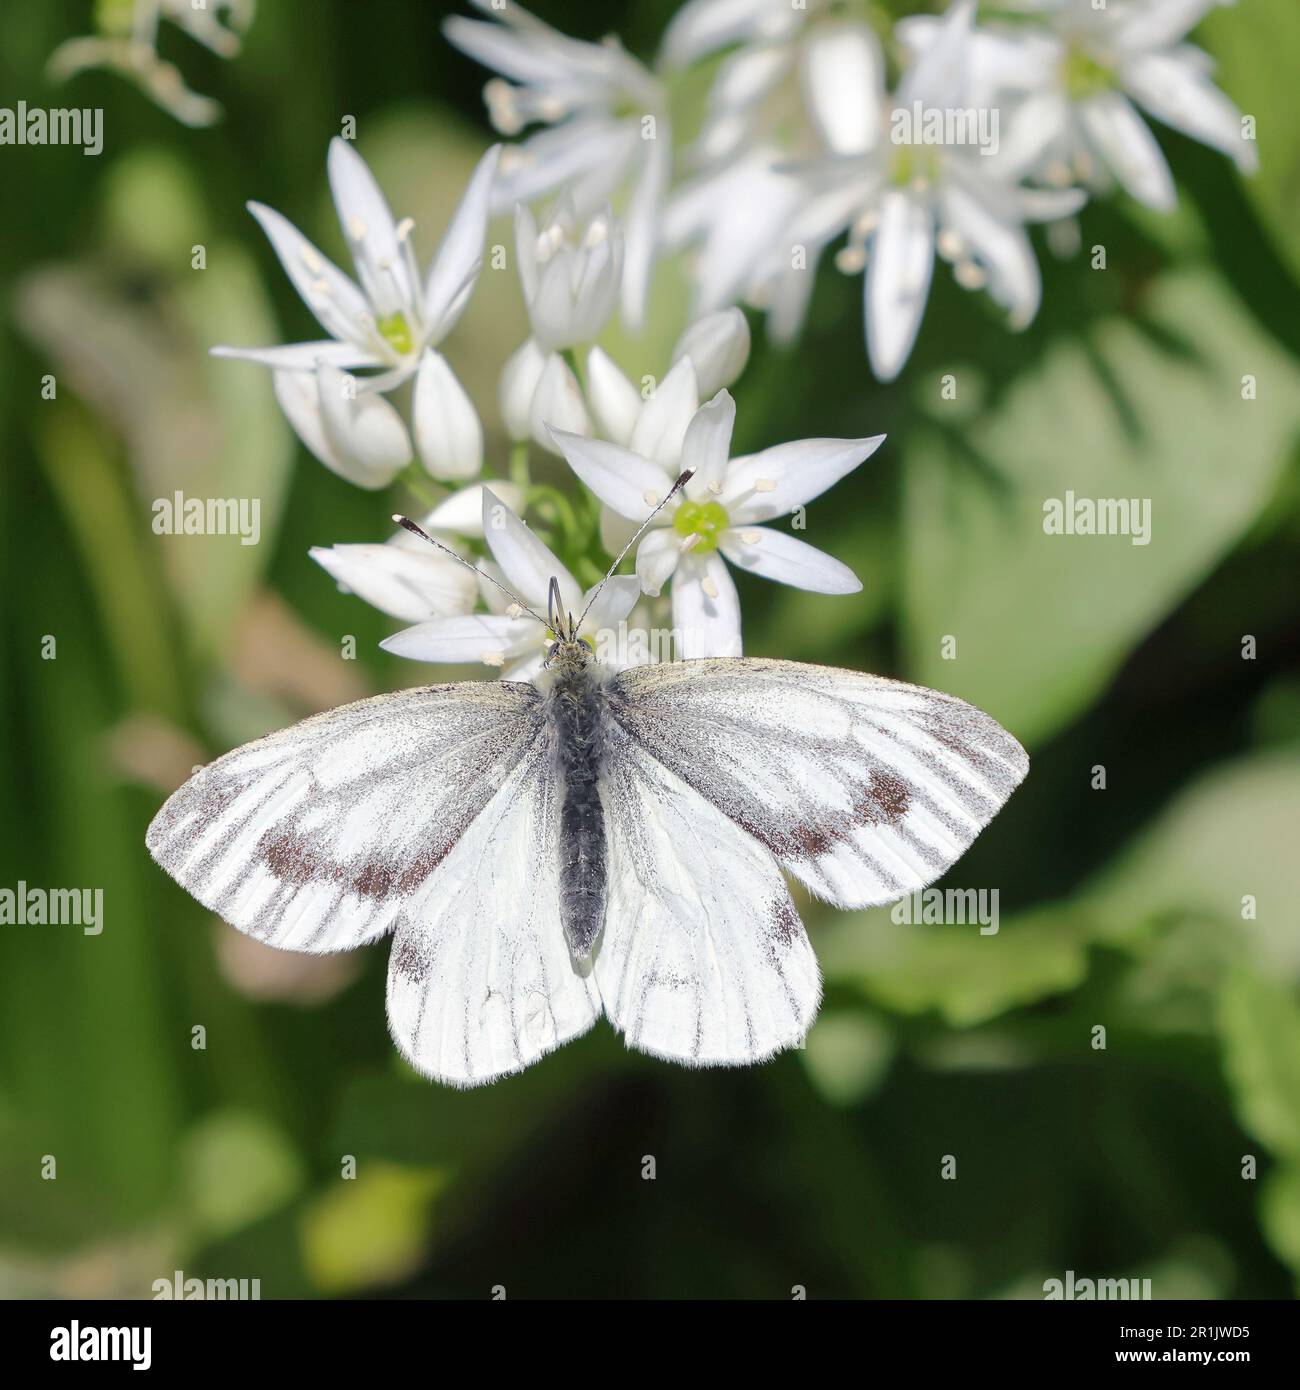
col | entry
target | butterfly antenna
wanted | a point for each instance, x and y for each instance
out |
(407, 524)
(681, 482)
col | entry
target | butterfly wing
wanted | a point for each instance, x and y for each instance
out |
(703, 959)
(865, 789)
(316, 838)
(480, 982)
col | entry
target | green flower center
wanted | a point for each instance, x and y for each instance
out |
(911, 163)
(703, 519)
(396, 332)
(1084, 76)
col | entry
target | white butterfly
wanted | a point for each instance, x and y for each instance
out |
(543, 852)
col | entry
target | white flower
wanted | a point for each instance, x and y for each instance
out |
(719, 514)
(537, 388)
(406, 577)
(448, 433)
(607, 127)
(1078, 82)
(509, 640)
(128, 43)
(390, 315)
(709, 355)
(354, 433)
(910, 198)
(570, 273)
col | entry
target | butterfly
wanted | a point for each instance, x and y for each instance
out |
(590, 842)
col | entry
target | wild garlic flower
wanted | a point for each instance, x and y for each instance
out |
(406, 577)
(507, 639)
(718, 516)
(606, 125)
(1080, 79)
(387, 322)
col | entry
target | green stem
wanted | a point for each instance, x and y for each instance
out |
(418, 483)
(518, 466)
(571, 358)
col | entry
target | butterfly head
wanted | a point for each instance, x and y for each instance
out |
(567, 650)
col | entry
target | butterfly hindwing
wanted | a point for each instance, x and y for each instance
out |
(703, 959)
(480, 981)
(865, 789)
(316, 838)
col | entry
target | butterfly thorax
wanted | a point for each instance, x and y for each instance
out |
(576, 714)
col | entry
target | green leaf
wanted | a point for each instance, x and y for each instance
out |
(965, 977)
(1258, 53)
(1259, 1021)
(1147, 408)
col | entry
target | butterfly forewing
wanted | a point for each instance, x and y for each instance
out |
(317, 837)
(865, 789)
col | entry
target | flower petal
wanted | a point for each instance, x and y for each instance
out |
(661, 425)
(1001, 249)
(1126, 146)
(718, 345)
(706, 608)
(898, 281)
(454, 266)
(611, 606)
(448, 435)
(1172, 89)
(787, 560)
(365, 433)
(526, 561)
(339, 306)
(707, 446)
(370, 230)
(462, 512)
(406, 584)
(633, 486)
(557, 402)
(519, 379)
(657, 557)
(615, 401)
(303, 357)
(641, 223)
(491, 638)
(772, 483)
(843, 76)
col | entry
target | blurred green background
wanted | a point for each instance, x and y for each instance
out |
(1120, 907)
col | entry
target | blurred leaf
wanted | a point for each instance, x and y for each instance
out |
(847, 1054)
(1260, 1025)
(1143, 408)
(1230, 835)
(1258, 53)
(966, 977)
(371, 1229)
(1279, 1209)
(238, 1168)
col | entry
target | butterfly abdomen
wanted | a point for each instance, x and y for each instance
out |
(576, 713)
